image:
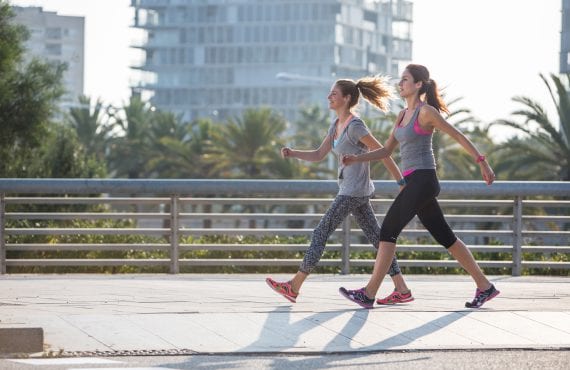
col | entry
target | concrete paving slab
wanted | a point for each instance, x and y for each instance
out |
(202, 313)
(536, 332)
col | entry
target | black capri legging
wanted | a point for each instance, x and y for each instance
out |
(418, 198)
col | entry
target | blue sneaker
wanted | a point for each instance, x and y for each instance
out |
(357, 296)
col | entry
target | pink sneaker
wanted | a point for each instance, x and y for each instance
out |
(284, 289)
(396, 297)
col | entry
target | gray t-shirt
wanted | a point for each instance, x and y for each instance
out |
(354, 180)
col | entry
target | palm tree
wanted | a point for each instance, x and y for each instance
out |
(179, 147)
(543, 152)
(248, 146)
(88, 121)
(310, 129)
(308, 133)
(131, 148)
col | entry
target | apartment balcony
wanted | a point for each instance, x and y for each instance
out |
(402, 11)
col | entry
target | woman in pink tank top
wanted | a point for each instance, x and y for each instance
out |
(413, 131)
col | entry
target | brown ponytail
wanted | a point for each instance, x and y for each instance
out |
(429, 87)
(376, 90)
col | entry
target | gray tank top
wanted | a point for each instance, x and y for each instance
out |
(416, 150)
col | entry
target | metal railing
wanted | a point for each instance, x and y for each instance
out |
(520, 219)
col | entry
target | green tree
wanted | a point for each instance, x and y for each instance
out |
(63, 156)
(130, 147)
(179, 147)
(28, 96)
(249, 146)
(543, 150)
(311, 127)
(89, 121)
(308, 133)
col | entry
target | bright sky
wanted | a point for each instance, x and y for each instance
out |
(486, 51)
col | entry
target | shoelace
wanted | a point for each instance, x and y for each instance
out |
(482, 296)
(360, 295)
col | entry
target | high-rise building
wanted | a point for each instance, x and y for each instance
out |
(214, 58)
(565, 38)
(56, 38)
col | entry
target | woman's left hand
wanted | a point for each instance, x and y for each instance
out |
(487, 171)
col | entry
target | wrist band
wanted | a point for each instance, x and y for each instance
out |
(401, 182)
(480, 159)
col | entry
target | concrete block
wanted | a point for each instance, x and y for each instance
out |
(21, 340)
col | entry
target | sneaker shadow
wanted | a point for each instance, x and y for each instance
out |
(280, 333)
(407, 337)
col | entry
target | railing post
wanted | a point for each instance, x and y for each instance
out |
(2, 241)
(345, 252)
(174, 267)
(517, 236)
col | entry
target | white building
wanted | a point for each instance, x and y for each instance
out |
(565, 38)
(57, 38)
(213, 58)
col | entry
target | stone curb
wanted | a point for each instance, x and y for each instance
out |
(21, 340)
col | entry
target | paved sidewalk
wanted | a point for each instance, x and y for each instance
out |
(115, 314)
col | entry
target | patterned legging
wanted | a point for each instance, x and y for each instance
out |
(341, 207)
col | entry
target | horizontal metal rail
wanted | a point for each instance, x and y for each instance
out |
(516, 219)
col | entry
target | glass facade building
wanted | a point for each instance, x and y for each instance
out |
(214, 58)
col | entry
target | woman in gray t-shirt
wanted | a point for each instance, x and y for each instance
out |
(347, 134)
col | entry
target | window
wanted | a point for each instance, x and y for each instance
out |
(370, 16)
(220, 33)
(231, 55)
(267, 13)
(210, 34)
(292, 34)
(201, 36)
(53, 33)
(53, 49)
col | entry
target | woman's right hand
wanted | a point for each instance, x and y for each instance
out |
(286, 152)
(348, 159)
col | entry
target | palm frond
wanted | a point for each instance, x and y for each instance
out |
(562, 104)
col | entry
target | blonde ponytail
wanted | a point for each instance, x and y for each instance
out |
(377, 91)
